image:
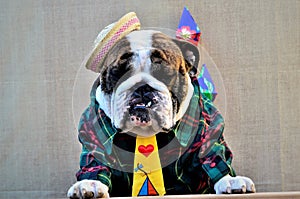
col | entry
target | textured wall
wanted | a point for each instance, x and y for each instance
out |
(255, 44)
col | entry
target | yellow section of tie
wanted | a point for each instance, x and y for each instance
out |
(147, 165)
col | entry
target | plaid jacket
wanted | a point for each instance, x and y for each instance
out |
(193, 154)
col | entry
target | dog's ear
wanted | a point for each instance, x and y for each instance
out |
(191, 55)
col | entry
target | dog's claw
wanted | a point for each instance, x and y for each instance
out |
(100, 194)
(87, 194)
(244, 189)
(228, 190)
(252, 189)
(75, 194)
(74, 197)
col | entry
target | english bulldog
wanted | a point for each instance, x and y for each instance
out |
(145, 88)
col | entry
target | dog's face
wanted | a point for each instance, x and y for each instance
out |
(145, 87)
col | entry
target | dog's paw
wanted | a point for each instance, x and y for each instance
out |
(238, 184)
(86, 189)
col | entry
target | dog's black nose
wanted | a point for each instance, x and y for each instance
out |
(145, 92)
(143, 95)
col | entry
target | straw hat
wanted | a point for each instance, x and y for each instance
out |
(108, 37)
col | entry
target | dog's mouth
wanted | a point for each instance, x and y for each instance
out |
(140, 104)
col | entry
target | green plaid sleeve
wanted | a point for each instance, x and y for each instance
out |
(105, 178)
(217, 165)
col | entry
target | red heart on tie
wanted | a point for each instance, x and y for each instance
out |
(146, 150)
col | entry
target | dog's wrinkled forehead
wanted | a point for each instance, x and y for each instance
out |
(144, 42)
(140, 40)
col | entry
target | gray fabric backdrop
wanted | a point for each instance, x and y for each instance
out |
(255, 44)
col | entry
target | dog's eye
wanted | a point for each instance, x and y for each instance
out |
(115, 71)
(125, 58)
(156, 60)
(157, 57)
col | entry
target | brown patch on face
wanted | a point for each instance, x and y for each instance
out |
(116, 64)
(171, 69)
(171, 51)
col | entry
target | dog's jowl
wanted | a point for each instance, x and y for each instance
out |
(148, 130)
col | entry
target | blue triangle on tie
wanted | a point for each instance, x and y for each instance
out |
(144, 189)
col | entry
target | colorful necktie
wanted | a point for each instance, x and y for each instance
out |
(147, 177)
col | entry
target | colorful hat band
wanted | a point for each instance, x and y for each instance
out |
(124, 26)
